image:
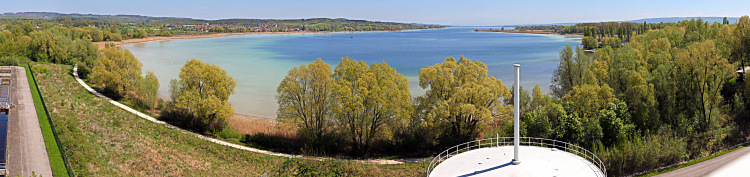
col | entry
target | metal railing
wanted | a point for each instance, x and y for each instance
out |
(524, 141)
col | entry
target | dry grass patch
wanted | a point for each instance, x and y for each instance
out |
(251, 125)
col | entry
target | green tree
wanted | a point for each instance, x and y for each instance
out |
(586, 100)
(462, 95)
(741, 41)
(570, 129)
(538, 99)
(570, 71)
(204, 91)
(118, 70)
(304, 98)
(368, 100)
(45, 47)
(537, 124)
(640, 96)
(613, 123)
(148, 90)
(700, 73)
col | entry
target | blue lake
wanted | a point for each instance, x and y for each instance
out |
(258, 62)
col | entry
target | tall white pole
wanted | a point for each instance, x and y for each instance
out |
(516, 112)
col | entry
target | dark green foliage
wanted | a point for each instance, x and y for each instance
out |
(612, 121)
(640, 154)
(537, 124)
(570, 129)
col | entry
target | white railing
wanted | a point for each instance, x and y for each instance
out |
(508, 141)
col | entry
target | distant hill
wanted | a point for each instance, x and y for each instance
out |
(102, 18)
(183, 21)
(678, 19)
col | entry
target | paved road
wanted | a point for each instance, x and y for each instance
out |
(708, 166)
(26, 148)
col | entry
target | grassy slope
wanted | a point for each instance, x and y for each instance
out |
(103, 140)
(55, 158)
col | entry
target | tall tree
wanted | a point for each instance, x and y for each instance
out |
(204, 91)
(148, 90)
(741, 41)
(368, 100)
(118, 70)
(700, 73)
(462, 96)
(304, 98)
(570, 71)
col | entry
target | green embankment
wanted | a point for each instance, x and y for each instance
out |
(55, 158)
(103, 140)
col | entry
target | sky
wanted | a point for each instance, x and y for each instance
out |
(444, 12)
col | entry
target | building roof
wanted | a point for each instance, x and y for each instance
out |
(535, 161)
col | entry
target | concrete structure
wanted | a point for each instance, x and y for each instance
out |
(491, 157)
(497, 162)
(26, 150)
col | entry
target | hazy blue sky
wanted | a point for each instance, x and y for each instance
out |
(447, 12)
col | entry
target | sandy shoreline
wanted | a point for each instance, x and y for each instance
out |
(161, 38)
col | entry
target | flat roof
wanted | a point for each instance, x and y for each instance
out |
(535, 161)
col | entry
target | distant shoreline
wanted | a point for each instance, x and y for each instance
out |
(526, 32)
(101, 44)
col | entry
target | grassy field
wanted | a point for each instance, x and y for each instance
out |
(55, 158)
(103, 140)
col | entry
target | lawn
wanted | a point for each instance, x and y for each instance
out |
(103, 140)
(55, 158)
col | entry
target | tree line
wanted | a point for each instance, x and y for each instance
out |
(669, 94)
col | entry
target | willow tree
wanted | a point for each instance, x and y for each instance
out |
(204, 91)
(304, 98)
(368, 101)
(118, 70)
(463, 96)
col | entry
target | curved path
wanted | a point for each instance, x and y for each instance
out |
(217, 141)
(708, 166)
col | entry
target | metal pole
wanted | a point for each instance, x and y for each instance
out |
(516, 112)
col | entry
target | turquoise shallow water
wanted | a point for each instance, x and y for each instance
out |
(258, 62)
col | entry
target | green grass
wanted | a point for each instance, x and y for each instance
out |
(101, 139)
(672, 168)
(55, 158)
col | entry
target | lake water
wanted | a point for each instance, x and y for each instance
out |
(258, 62)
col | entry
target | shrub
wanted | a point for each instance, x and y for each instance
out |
(40, 69)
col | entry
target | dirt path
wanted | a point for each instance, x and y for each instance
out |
(26, 150)
(708, 166)
(241, 147)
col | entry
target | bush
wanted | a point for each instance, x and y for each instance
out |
(185, 119)
(275, 143)
(39, 69)
(228, 133)
(641, 154)
(14, 61)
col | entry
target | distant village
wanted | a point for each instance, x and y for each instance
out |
(207, 27)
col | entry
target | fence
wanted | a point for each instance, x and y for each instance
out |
(508, 141)
(52, 125)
